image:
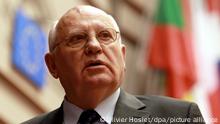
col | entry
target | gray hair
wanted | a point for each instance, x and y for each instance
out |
(52, 36)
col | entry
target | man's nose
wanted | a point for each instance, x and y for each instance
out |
(93, 47)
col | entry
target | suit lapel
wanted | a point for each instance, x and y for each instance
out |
(130, 110)
(55, 117)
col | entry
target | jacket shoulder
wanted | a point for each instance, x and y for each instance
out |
(162, 106)
(46, 118)
(164, 101)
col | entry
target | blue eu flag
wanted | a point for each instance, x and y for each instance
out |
(28, 49)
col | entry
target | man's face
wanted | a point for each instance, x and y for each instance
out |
(93, 65)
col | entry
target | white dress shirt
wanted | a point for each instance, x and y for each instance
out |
(105, 109)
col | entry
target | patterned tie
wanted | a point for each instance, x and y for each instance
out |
(90, 117)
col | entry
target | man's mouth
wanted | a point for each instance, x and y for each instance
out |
(96, 66)
(94, 63)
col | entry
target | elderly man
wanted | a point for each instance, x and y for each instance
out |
(88, 57)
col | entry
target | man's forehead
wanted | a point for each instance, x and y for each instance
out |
(76, 15)
(83, 11)
(72, 20)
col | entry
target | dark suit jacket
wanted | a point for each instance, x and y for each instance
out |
(139, 109)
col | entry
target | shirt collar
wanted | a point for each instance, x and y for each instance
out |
(105, 109)
(71, 112)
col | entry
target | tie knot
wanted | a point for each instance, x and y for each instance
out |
(89, 116)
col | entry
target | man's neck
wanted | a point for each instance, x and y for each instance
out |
(105, 109)
(90, 100)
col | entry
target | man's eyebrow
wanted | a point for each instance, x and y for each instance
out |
(102, 26)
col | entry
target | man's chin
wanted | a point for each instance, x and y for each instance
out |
(98, 80)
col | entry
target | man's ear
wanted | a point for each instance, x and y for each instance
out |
(123, 50)
(51, 65)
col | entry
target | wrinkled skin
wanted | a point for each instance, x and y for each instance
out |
(87, 86)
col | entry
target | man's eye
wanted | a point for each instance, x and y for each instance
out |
(104, 36)
(78, 38)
